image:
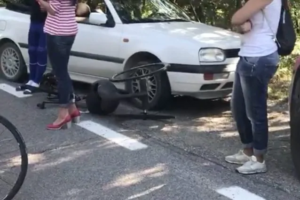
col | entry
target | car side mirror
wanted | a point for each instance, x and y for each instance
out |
(97, 18)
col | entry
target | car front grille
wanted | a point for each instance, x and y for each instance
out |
(231, 53)
(211, 86)
(228, 85)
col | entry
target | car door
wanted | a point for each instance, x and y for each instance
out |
(17, 26)
(96, 50)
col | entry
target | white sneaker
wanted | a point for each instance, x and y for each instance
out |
(240, 158)
(252, 167)
(29, 82)
(34, 84)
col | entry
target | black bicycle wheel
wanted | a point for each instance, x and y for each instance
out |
(13, 146)
(117, 77)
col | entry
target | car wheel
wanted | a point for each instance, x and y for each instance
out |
(159, 90)
(295, 122)
(12, 65)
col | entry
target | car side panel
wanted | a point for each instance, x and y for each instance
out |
(16, 29)
(96, 51)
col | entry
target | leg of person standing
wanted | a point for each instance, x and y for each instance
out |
(40, 58)
(42, 55)
(243, 124)
(59, 48)
(61, 28)
(254, 74)
(33, 41)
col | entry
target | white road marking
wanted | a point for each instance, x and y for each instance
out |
(113, 136)
(12, 90)
(238, 193)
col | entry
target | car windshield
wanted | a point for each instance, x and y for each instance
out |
(147, 11)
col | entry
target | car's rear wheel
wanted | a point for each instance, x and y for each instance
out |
(159, 91)
(295, 122)
(12, 65)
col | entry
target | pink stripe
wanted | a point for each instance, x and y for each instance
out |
(64, 20)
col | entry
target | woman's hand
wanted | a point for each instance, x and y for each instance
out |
(246, 27)
(42, 8)
(45, 6)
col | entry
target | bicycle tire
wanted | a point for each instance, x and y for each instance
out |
(115, 80)
(24, 157)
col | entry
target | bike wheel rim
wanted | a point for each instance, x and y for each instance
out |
(16, 185)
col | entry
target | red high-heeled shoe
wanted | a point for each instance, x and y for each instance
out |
(65, 124)
(75, 116)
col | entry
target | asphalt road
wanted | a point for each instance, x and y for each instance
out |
(100, 159)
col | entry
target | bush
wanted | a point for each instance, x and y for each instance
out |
(279, 85)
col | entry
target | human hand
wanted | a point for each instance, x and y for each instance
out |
(42, 4)
(246, 27)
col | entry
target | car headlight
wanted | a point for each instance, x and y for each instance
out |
(211, 55)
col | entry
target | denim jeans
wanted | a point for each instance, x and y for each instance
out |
(249, 100)
(59, 48)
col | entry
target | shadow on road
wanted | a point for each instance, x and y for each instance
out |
(206, 128)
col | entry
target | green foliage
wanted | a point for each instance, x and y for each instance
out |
(280, 83)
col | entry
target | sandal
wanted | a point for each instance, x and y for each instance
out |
(22, 87)
(30, 90)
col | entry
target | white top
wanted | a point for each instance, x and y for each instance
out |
(260, 41)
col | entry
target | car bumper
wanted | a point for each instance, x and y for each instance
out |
(194, 81)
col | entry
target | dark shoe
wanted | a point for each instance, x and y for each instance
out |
(32, 88)
(24, 86)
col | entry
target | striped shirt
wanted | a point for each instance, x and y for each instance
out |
(63, 22)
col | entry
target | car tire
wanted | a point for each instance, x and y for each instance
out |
(10, 49)
(163, 91)
(294, 123)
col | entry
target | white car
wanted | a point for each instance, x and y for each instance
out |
(129, 33)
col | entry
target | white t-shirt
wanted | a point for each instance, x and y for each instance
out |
(260, 41)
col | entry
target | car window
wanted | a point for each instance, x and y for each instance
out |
(141, 11)
(94, 5)
(22, 6)
(85, 7)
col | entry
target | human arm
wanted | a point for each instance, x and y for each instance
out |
(244, 28)
(248, 10)
(52, 7)
(82, 10)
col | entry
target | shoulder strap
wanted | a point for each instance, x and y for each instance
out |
(268, 23)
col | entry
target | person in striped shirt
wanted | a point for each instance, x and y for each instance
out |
(61, 29)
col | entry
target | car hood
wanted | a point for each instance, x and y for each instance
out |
(207, 35)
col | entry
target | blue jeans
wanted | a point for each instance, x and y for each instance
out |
(249, 100)
(37, 51)
(59, 49)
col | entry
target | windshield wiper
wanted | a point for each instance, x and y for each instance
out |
(174, 20)
(156, 20)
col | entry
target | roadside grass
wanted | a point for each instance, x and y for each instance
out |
(279, 85)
